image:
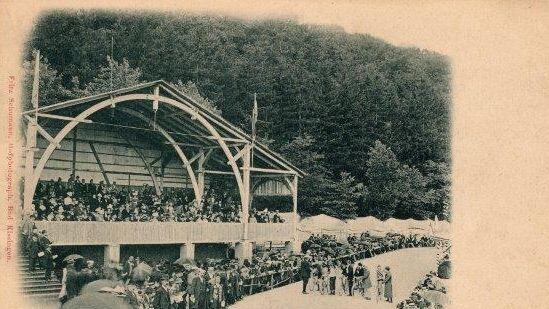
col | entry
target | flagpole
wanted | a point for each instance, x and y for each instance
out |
(254, 129)
(112, 59)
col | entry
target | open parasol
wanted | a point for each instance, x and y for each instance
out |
(141, 272)
(96, 300)
(97, 285)
(187, 263)
(72, 257)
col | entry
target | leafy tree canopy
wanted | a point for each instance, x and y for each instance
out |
(368, 121)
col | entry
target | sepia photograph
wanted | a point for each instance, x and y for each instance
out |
(202, 161)
(182, 159)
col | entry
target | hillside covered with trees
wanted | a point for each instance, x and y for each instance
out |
(368, 121)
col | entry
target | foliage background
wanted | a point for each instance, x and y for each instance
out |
(368, 121)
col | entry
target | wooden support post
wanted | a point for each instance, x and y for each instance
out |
(73, 167)
(29, 165)
(111, 254)
(187, 250)
(105, 176)
(200, 179)
(246, 184)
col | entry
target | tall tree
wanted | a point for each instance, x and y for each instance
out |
(51, 87)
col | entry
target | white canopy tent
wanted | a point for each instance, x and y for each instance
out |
(330, 225)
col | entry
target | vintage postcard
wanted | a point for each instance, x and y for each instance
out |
(273, 155)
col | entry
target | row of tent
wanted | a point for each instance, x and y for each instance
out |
(324, 224)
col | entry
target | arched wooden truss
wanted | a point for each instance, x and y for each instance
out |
(171, 114)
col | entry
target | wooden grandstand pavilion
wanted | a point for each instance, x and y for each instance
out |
(152, 133)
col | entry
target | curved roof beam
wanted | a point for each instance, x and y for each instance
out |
(124, 99)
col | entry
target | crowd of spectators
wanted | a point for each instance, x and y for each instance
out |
(432, 291)
(78, 200)
(212, 284)
(265, 216)
(216, 284)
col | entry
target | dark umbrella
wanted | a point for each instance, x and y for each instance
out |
(97, 300)
(97, 285)
(72, 257)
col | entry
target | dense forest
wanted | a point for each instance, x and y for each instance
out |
(368, 121)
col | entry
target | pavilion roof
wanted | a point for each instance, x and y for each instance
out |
(181, 124)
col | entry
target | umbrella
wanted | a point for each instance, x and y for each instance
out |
(184, 262)
(97, 285)
(97, 300)
(72, 257)
(141, 272)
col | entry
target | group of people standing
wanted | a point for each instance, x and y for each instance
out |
(345, 278)
(37, 246)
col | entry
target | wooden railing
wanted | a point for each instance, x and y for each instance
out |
(270, 231)
(103, 233)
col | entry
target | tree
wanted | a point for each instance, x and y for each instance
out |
(192, 91)
(301, 151)
(438, 183)
(410, 194)
(383, 175)
(51, 89)
(114, 75)
(339, 197)
(319, 192)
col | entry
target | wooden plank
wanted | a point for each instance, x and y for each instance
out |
(200, 171)
(59, 117)
(95, 97)
(268, 170)
(218, 172)
(224, 124)
(99, 233)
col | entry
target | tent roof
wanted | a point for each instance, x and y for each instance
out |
(321, 222)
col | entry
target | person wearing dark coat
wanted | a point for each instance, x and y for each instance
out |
(196, 290)
(388, 285)
(77, 279)
(236, 281)
(350, 277)
(47, 263)
(43, 240)
(305, 272)
(162, 295)
(359, 277)
(33, 249)
(228, 292)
